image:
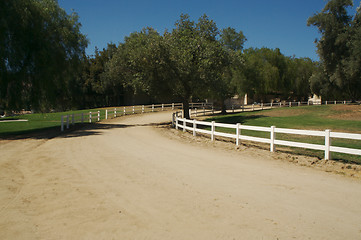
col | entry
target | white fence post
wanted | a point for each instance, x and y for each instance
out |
(184, 124)
(271, 104)
(273, 136)
(335, 102)
(212, 130)
(280, 104)
(326, 102)
(67, 121)
(124, 111)
(162, 107)
(90, 117)
(172, 106)
(194, 127)
(204, 111)
(237, 133)
(232, 108)
(152, 107)
(62, 123)
(299, 103)
(133, 109)
(115, 112)
(327, 145)
(290, 104)
(98, 116)
(261, 106)
(106, 113)
(142, 108)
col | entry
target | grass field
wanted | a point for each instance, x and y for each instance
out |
(340, 118)
(36, 122)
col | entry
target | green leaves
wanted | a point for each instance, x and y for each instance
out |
(338, 49)
(42, 49)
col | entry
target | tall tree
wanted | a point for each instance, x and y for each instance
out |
(41, 51)
(338, 49)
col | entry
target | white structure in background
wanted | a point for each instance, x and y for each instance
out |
(316, 100)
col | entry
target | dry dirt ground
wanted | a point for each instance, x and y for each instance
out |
(128, 178)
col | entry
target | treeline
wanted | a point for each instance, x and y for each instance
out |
(44, 66)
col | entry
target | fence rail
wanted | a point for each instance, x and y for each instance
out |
(197, 126)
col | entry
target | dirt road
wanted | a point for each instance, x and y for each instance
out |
(127, 179)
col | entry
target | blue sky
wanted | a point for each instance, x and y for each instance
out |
(265, 23)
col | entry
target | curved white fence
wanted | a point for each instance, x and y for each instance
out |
(196, 126)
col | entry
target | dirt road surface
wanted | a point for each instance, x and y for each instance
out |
(128, 179)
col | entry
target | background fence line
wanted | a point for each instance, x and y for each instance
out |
(95, 116)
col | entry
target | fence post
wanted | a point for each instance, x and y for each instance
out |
(327, 145)
(232, 108)
(133, 109)
(237, 133)
(67, 121)
(271, 104)
(280, 104)
(62, 123)
(98, 116)
(273, 136)
(152, 107)
(115, 112)
(184, 124)
(326, 102)
(204, 111)
(344, 102)
(90, 117)
(212, 131)
(194, 127)
(290, 104)
(106, 113)
(124, 111)
(299, 103)
(172, 106)
(335, 102)
(162, 107)
(142, 108)
(261, 106)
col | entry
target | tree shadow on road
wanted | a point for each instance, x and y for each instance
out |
(78, 130)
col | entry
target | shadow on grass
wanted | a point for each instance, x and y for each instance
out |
(78, 130)
(236, 119)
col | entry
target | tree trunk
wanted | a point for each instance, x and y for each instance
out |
(224, 107)
(186, 109)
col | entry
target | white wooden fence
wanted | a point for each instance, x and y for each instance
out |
(207, 109)
(196, 126)
(72, 119)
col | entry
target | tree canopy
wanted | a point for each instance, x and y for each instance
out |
(41, 50)
(339, 74)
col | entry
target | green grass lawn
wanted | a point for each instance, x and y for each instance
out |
(335, 118)
(36, 122)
